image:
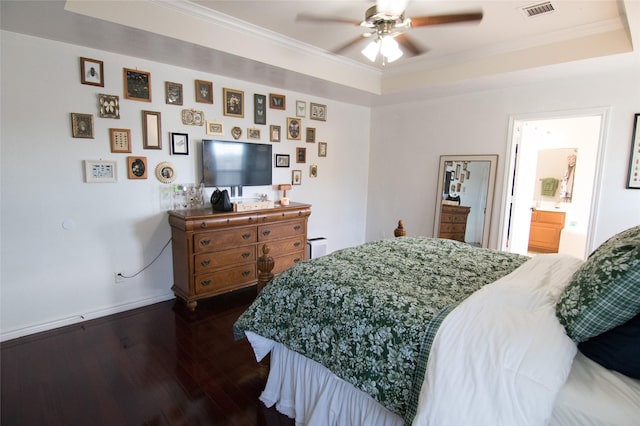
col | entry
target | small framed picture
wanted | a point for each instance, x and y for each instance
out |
(120, 140)
(311, 134)
(204, 91)
(318, 112)
(313, 171)
(301, 155)
(92, 72)
(173, 93)
(277, 101)
(301, 108)
(633, 181)
(151, 130)
(322, 149)
(259, 109)
(233, 102)
(294, 128)
(179, 144)
(109, 106)
(192, 117)
(99, 171)
(282, 160)
(137, 85)
(296, 177)
(215, 128)
(253, 133)
(236, 132)
(274, 133)
(137, 167)
(82, 125)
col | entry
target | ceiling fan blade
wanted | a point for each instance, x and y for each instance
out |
(423, 21)
(307, 17)
(349, 44)
(409, 46)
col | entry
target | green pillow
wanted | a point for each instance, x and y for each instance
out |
(605, 291)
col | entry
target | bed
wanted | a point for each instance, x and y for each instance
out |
(418, 330)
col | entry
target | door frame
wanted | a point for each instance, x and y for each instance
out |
(510, 178)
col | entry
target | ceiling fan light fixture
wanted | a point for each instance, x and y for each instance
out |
(389, 49)
(391, 7)
(371, 50)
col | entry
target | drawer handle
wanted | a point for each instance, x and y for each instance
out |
(266, 232)
(246, 236)
(206, 262)
(205, 243)
(205, 283)
(296, 260)
(246, 273)
(296, 244)
(203, 225)
(297, 227)
(246, 254)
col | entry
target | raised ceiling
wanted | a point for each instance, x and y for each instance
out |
(262, 40)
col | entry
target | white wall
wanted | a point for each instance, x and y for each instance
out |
(407, 140)
(52, 275)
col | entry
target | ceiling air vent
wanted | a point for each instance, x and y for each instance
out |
(538, 9)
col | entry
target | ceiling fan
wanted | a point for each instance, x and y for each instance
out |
(385, 24)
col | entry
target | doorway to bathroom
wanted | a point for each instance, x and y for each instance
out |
(553, 176)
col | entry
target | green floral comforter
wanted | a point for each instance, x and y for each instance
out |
(365, 312)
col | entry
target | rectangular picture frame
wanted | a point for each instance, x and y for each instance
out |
(294, 128)
(317, 111)
(233, 102)
(301, 155)
(310, 135)
(100, 171)
(296, 177)
(282, 160)
(204, 91)
(173, 93)
(322, 149)
(633, 179)
(137, 85)
(215, 128)
(91, 72)
(151, 130)
(274, 133)
(82, 125)
(137, 167)
(253, 133)
(179, 144)
(259, 109)
(301, 109)
(120, 140)
(277, 101)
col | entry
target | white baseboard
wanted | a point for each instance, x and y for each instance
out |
(26, 331)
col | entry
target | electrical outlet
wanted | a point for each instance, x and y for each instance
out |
(117, 277)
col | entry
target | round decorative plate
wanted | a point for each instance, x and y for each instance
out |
(165, 172)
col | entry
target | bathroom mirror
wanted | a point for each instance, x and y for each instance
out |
(464, 198)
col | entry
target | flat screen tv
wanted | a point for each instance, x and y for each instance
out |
(228, 163)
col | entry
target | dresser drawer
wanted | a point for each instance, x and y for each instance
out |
(278, 231)
(453, 227)
(282, 263)
(226, 279)
(220, 240)
(288, 245)
(215, 260)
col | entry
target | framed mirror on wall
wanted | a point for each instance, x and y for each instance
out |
(466, 185)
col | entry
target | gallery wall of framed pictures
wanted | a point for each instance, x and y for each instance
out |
(207, 110)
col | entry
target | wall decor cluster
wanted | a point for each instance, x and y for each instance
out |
(633, 181)
(137, 87)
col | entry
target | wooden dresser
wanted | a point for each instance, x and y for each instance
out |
(453, 222)
(544, 234)
(215, 253)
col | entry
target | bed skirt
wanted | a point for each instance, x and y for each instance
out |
(304, 390)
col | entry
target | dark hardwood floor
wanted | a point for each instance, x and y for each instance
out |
(157, 365)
